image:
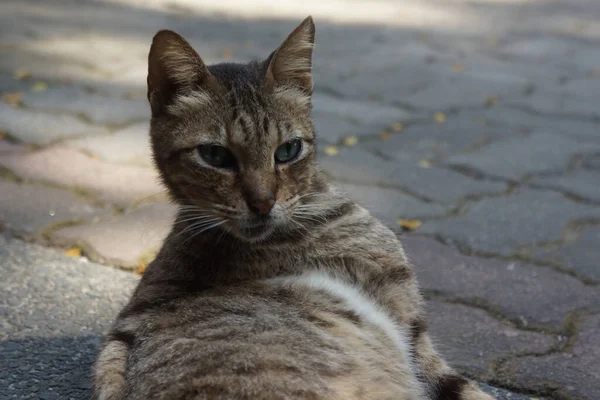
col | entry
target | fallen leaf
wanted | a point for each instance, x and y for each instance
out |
(331, 150)
(458, 67)
(227, 53)
(140, 270)
(39, 86)
(21, 73)
(491, 100)
(492, 42)
(425, 164)
(384, 135)
(439, 117)
(13, 98)
(3, 135)
(397, 126)
(73, 252)
(350, 141)
(410, 224)
(130, 95)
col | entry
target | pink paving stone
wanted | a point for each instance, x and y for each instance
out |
(470, 339)
(122, 240)
(25, 209)
(68, 167)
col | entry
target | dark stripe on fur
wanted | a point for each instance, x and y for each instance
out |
(449, 388)
(121, 336)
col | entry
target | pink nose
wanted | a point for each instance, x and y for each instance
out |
(262, 206)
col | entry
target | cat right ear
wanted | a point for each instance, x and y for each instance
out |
(174, 69)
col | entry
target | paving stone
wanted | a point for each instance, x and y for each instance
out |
(502, 225)
(40, 128)
(574, 372)
(581, 255)
(68, 167)
(8, 84)
(433, 141)
(468, 90)
(390, 204)
(515, 158)
(500, 394)
(582, 183)
(441, 185)
(539, 296)
(562, 101)
(26, 209)
(127, 145)
(470, 340)
(122, 240)
(101, 110)
(528, 121)
(336, 118)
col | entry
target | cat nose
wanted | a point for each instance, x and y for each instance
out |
(262, 206)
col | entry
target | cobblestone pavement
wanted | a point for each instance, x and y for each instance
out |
(471, 127)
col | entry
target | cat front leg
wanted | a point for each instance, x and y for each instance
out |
(109, 371)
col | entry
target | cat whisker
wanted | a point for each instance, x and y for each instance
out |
(199, 225)
(204, 230)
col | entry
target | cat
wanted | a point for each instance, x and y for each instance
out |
(272, 284)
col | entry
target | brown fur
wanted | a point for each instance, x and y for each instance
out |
(219, 314)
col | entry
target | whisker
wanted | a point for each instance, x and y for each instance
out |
(204, 230)
(197, 225)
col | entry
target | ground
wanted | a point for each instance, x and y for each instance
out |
(472, 128)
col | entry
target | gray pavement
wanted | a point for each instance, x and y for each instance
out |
(471, 127)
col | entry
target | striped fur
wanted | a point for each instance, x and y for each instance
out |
(318, 302)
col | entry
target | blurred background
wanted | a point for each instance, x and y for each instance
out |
(472, 128)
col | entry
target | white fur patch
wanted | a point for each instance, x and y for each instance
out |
(183, 104)
(363, 306)
(292, 95)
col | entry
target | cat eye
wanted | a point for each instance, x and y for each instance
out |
(217, 156)
(288, 151)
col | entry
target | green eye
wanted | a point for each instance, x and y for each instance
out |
(217, 156)
(288, 151)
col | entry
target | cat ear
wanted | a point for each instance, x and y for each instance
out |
(291, 63)
(174, 68)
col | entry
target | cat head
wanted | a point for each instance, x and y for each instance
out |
(234, 143)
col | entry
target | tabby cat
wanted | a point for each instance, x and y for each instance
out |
(272, 284)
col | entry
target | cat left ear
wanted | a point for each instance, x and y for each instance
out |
(291, 63)
(174, 68)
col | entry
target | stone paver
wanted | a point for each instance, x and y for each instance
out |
(25, 209)
(68, 167)
(479, 118)
(436, 184)
(505, 232)
(581, 255)
(102, 110)
(390, 204)
(582, 183)
(432, 141)
(473, 341)
(443, 271)
(575, 372)
(517, 157)
(130, 145)
(40, 128)
(124, 240)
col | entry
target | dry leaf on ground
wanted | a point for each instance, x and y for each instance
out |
(39, 86)
(141, 269)
(384, 135)
(491, 100)
(458, 67)
(331, 150)
(350, 140)
(73, 252)
(397, 126)
(21, 73)
(410, 224)
(439, 117)
(13, 98)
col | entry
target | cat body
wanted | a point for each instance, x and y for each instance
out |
(272, 284)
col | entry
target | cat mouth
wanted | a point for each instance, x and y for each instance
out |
(255, 231)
